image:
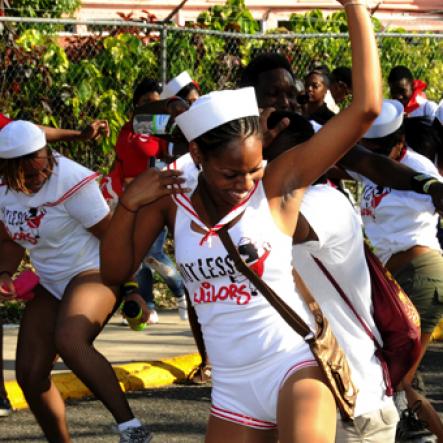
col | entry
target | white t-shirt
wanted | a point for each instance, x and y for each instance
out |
(52, 223)
(398, 220)
(427, 108)
(340, 249)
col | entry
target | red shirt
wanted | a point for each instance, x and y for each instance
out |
(134, 150)
(4, 121)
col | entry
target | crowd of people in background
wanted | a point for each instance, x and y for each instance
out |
(276, 150)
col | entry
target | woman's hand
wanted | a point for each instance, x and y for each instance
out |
(176, 105)
(135, 296)
(150, 186)
(7, 290)
(95, 129)
(269, 135)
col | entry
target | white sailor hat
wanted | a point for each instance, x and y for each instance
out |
(20, 138)
(215, 109)
(173, 86)
(389, 120)
(439, 113)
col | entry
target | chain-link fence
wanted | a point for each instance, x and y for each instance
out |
(52, 75)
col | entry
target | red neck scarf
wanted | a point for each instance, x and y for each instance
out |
(418, 87)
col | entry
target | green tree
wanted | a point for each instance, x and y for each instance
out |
(233, 16)
(43, 8)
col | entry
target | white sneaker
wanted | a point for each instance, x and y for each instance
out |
(139, 434)
(182, 308)
(153, 317)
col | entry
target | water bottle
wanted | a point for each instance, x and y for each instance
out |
(133, 313)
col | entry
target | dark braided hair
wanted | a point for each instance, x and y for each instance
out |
(213, 141)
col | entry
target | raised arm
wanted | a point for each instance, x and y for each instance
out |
(300, 167)
(90, 132)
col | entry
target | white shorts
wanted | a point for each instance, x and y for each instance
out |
(249, 396)
(57, 288)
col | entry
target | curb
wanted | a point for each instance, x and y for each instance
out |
(131, 377)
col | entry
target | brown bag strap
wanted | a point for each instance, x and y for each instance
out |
(294, 320)
(196, 329)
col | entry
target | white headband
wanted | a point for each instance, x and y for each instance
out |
(173, 86)
(215, 109)
(389, 120)
(20, 138)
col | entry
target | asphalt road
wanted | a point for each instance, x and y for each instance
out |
(177, 414)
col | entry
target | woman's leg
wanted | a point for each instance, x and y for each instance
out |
(306, 409)
(222, 431)
(2, 380)
(5, 405)
(84, 310)
(35, 357)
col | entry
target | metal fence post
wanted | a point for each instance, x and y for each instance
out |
(164, 55)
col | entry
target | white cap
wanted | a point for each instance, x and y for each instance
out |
(20, 138)
(215, 109)
(439, 113)
(173, 86)
(389, 120)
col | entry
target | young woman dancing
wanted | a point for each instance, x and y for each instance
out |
(266, 384)
(52, 207)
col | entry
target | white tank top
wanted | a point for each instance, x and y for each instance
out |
(239, 326)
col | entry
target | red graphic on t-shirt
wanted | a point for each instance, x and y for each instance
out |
(373, 196)
(377, 198)
(35, 218)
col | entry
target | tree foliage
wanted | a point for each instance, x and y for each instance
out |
(43, 8)
(67, 82)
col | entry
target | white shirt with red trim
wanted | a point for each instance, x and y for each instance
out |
(396, 220)
(340, 249)
(427, 108)
(52, 223)
(239, 326)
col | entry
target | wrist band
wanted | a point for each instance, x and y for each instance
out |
(428, 184)
(132, 211)
(421, 183)
(128, 288)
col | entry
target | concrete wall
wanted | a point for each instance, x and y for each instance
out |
(410, 14)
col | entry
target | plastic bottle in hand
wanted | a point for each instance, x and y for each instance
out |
(133, 313)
